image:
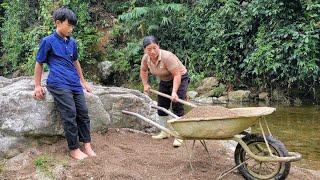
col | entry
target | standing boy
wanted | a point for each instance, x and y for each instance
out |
(65, 82)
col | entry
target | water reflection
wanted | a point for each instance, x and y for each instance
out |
(298, 129)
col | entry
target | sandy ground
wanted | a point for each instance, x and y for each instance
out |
(123, 154)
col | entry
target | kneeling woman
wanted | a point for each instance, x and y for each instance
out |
(174, 80)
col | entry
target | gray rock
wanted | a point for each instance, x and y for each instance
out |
(192, 94)
(239, 96)
(8, 142)
(23, 116)
(204, 100)
(12, 153)
(20, 161)
(207, 84)
(223, 99)
(263, 96)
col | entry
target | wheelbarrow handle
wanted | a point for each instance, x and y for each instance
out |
(171, 132)
(170, 97)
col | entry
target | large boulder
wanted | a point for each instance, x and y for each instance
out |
(115, 99)
(23, 116)
(239, 95)
(207, 84)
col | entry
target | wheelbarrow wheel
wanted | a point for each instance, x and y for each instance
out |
(254, 169)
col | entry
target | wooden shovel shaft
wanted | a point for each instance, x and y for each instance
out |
(170, 97)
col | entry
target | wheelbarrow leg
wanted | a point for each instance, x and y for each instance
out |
(192, 150)
(204, 144)
(223, 174)
(190, 155)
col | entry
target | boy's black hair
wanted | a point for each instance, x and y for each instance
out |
(149, 40)
(63, 14)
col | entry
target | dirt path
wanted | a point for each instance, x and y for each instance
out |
(127, 155)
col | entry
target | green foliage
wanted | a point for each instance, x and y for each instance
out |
(22, 31)
(213, 35)
(270, 44)
(286, 50)
(265, 43)
(217, 91)
(44, 163)
(13, 27)
(2, 5)
(155, 17)
(86, 34)
(27, 22)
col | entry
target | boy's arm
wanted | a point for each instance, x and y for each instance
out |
(38, 90)
(82, 80)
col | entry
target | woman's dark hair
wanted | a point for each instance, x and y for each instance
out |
(149, 40)
(64, 13)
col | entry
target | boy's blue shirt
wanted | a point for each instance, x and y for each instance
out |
(60, 55)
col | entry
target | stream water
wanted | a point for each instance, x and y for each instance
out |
(298, 128)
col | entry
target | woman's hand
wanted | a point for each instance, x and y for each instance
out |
(174, 96)
(146, 89)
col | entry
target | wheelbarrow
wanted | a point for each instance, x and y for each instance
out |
(257, 156)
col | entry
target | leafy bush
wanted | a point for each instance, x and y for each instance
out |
(267, 44)
(217, 91)
(26, 22)
(125, 48)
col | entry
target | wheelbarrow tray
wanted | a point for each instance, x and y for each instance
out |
(219, 128)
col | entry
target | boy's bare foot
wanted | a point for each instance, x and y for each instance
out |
(88, 149)
(78, 154)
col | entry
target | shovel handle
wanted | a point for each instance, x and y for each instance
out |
(170, 97)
